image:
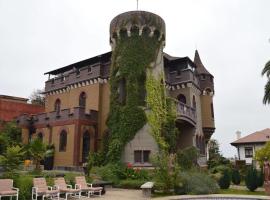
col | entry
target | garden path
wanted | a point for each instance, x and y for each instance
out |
(126, 194)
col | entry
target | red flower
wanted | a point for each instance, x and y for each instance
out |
(129, 165)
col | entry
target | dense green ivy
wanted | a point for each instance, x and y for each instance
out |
(130, 58)
(162, 115)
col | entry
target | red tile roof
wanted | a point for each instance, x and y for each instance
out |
(257, 137)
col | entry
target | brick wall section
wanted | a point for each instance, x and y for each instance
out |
(10, 109)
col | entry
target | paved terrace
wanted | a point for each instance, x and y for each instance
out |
(124, 194)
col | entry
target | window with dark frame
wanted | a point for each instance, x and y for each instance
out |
(248, 152)
(63, 141)
(141, 156)
(57, 106)
(82, 100)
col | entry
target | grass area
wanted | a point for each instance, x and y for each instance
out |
(243, 192)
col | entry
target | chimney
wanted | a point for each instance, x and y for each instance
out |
(238, 135)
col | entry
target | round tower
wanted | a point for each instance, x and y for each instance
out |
(137, 39)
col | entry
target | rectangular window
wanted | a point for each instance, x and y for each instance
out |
(141, 156)
(248, 152)
(137, 156)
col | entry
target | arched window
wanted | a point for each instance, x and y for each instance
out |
(57, 106)
(194, 102)
(63, 141)
(86, 146)
(82, 100)
(182, 98)
(208, 91)
(40, 136)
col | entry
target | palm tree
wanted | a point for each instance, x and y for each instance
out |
(37, 150)
(266, 71)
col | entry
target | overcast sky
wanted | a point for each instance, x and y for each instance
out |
(232, 37)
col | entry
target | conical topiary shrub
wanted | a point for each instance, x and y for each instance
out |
(236, 178)
(251, 179)
(225, 180)
(260, 178)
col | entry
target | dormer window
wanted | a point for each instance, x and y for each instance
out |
(63, 78)
(89, 69)
(203, 77)
(78, 72)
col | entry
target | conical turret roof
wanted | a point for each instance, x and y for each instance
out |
(200, 67)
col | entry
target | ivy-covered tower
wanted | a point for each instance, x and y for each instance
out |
(137, 95)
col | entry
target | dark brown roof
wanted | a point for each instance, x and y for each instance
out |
(99, 58)
(257, 137)
(200, 67)
(13, 98)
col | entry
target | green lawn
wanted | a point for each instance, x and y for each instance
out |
(243, 192)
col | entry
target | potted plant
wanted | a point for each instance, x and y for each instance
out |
(49, 157)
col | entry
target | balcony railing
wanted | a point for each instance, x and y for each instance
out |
(186, 112)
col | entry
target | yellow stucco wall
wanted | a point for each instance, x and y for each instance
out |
(63, 158)
(207, 119)
(70, 99)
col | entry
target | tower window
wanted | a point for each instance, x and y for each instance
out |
(203, 77)
(89, 69)
(78, 72)
(57, 106)
(63, 141)
(122, 91)
(212, 110)
(194, 102)
(82, 100)
(182, 98)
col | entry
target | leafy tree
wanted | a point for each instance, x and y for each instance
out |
(225, 180)
(236, 178)
(10, 135)
(263, 153)
(37, 150)
(266, 71)
(11, 160)
(37, 97)
(187, 157)
(215, 157)
(251, 179)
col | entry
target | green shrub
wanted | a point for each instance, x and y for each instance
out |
(236, 178)
(24, 183)
(110, 172)
(193, 182)
(187, 157)
(130, 184)
(251, 179)
(225, 180)
(260, 178)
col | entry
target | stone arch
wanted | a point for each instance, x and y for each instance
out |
(146, 30)
(134, 30)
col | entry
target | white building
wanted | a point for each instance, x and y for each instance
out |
(248, 145)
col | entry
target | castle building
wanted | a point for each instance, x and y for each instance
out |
(78, 100)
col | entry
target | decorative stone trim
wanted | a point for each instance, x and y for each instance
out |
(78, 85)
